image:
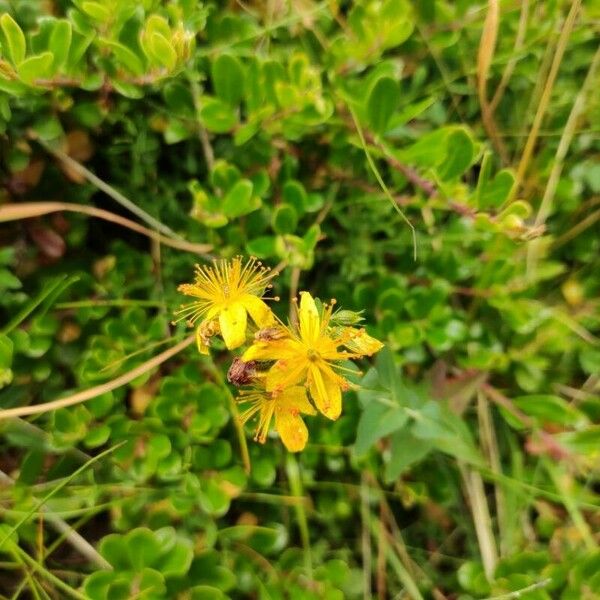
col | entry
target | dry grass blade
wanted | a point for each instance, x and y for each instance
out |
(545, 209)
(512, 63)
(28, 210)
(98, 390)
(545, 98)
(487, 47)
(475, 492)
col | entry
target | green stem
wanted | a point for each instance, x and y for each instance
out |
(49, 576)
(401, 571)
(295, 479)
(235, 413)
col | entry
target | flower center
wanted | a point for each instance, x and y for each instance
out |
(313, 355)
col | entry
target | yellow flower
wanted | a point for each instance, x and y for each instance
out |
(309, 352)
(286, 405)
(361, 342)
(226, 293)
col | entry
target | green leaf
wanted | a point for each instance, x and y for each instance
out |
(143, 548)
(48, 128)
(36, 67)
(387, 371)
(129, 59)
(285, 219)
(207, 592)
(240, 199)
(495, 192)
(6, 352)
(228, 77)
(176, 562)
(405, 450)
(217, 116)
(8, 281)
(129, 90)
(311, 237)
(460, 155)
(13, 39)
(31, 467)
(383, 100)
(429, 150)
(376, 421)
(60, 42)
(96, 10)
(176, 131)
(293, 193)
(547, 408)
(443, 429)
(162, 50)
(262, 247)
(411, 111)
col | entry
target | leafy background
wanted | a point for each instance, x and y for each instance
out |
(335, 141)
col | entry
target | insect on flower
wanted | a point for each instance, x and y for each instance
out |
(226, 293)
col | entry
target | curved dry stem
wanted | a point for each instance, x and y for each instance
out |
(108, 190)
(28, 210)
(98, 390)
(487, 47)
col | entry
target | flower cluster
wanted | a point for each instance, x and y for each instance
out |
(286, 366)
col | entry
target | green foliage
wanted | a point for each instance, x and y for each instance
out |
(231, 124)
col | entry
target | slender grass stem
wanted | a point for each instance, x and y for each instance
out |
(295, 478)
(545, 98)
(235, 413)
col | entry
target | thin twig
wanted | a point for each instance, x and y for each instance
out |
(207, 150)
(27, 210)
(384, 187)
(110, 191)
(411, 174)
(98, 390)
(519, 593)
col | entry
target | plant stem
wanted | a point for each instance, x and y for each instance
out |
(545, 99)
(235, 413)
(98, 390)
(293, 472)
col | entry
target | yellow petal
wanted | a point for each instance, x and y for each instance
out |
(325, 391)
(295, 399)
(232, 320)
(261, 314)
(309, 318)
(291, 429)
(362, 343)
(283, 375)
(271, 350)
